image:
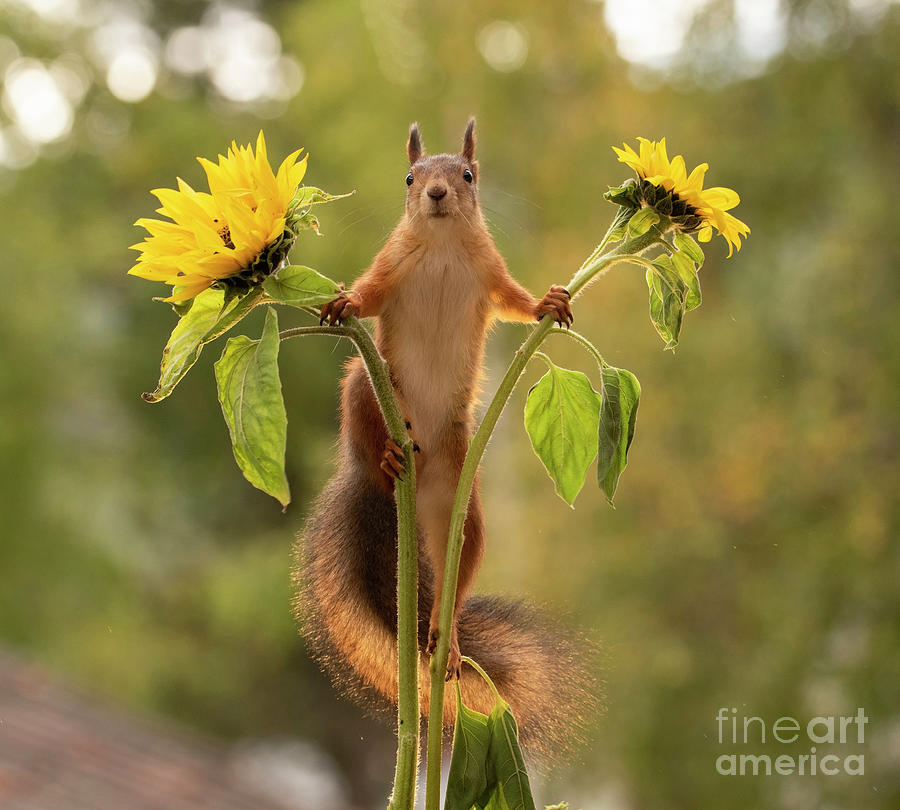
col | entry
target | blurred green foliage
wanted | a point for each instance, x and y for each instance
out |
(752, 560)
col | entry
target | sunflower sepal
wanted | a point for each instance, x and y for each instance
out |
(650, 193)
(627, 195)
(310, 195)
(643, 220)
(180, 308)
(303, 220)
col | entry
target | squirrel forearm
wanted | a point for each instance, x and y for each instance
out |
(512, 302)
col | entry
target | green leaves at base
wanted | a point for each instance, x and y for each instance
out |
(300, 286)
(211, 314)
(618, 413)
(250, 394)
(513, 788)
(561, 416)
(468, 779)
(487, 771)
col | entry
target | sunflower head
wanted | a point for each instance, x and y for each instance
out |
(666, 185)
(235, 235)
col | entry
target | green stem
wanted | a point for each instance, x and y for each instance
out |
(591, 269)
(570, 333)
(474, 664)
(622, 216)
(404, 793)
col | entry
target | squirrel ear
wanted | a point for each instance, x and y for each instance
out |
(468, 150)
(414, 148)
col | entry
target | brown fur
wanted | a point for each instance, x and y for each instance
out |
(435, 287)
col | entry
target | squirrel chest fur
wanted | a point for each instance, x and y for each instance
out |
(434, 288)
(432, 334)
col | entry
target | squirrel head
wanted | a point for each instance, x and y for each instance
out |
(442, 190)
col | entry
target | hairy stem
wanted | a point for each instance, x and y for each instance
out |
(571, 333)
(404, 793)
(590, 270)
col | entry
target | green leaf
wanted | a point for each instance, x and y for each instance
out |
(687, 272)
(618, 414)
(506, 758)
(300, 286)
(250, 393)
(667, 300)
(208, 316)
(686, 244)
(642, 221)
(468, 777)
(310, 195)
(617, 234)
(625, 195)
(303, 220)
(561, 416)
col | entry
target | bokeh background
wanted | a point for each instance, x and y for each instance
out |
(752, 560)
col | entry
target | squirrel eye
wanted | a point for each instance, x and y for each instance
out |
(467, 176)
(409, 179)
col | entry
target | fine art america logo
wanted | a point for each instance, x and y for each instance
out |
(736, 730)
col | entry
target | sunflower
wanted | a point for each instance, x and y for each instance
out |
(710, 205)
(238, 230)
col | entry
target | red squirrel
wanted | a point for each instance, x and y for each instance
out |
(435, 288)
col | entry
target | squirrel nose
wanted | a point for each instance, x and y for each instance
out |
(437, 192)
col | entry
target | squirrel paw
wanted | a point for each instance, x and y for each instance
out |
(556, 303)
(392, 459)
(342, 307)
(454, 659)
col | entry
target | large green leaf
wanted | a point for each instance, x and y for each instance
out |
(468, 777)
(561, 416)
(506, 758)
(618, 413)
(300, 286)
(250, 394)
(211, 314)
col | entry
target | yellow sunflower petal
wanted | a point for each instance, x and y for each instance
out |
(721, 198)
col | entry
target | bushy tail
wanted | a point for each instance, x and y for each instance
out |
(346, 559)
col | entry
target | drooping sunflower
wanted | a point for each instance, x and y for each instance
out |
(711, 205)
(238, 230)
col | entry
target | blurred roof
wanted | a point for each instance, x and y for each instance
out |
(61, 751)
